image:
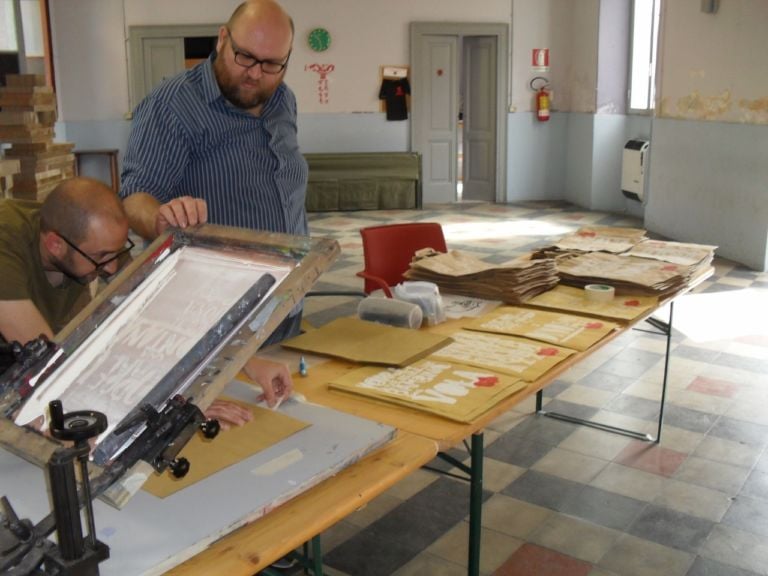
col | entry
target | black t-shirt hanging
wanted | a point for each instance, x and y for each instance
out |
(393, 93)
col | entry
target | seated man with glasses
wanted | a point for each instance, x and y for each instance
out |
(50, 252)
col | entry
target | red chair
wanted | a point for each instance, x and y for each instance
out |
(388, 251)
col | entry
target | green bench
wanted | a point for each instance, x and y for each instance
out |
(363, 181)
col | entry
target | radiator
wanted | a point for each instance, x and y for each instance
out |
(633, 167)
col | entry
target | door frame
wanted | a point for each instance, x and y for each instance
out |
(501, 31)
(136, 37)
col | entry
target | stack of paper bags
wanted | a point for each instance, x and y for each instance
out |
(611, 239)
(695, 258)
(627, 274)
(461, 273)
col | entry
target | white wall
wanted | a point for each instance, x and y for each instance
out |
(714, 65)
(708, 185)
(708, 168)
(89, 59)
(92, 39)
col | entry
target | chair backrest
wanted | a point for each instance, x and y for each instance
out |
(389, 249)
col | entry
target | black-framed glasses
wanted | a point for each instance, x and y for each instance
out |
(248, 61)
(99, 266)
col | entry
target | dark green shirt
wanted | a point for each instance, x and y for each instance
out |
(21, 270)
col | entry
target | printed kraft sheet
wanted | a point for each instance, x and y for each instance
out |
(675, 252)
(612, 239)
(368, 342)
(572, 299)
(577, 332)
(266, 428)
(453, 391)
(525, 359)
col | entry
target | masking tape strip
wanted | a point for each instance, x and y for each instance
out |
(599, 292)
(277, 464)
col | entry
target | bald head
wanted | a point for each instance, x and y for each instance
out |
(262, 17)
(75, 204)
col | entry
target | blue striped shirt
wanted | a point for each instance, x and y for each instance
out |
(188, 140)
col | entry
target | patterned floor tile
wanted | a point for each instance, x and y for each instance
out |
(758, 365)
(632, 556)
(711, 474)
(634, 406)
(543, 430)
(497, 475)
(595, 443)
(513, 516)
(693, 420)
(517, 451)
(496, 547)
(680, 439)
(606, 381)
(694, 500)
(428, 565)
(543, 490)
(651, 458)
(570, 465)
(531, 559)
(603, 507)
(574, 537)
(748, 514)
(740, 431)
(756, 485)
(695, 353)
(735, 547)
(630, 482)
(694, 400)
(721, 388)
(671, 528)
(762, 463)
(705, 567)
(643, 388)
(728, 451)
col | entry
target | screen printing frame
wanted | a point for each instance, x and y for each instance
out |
(205, 374)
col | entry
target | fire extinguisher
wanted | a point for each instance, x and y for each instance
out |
(542, 99)
(542, 105)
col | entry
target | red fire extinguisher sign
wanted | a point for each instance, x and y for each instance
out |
(540, 59)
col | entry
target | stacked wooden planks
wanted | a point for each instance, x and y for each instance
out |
(27, 118)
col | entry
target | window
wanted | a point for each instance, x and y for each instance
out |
(642, 66)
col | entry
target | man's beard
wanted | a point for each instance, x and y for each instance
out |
(232, 90)
(64, 267)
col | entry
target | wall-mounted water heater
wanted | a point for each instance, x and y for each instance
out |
(633, 168)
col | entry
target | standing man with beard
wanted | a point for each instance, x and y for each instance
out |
(218, 143)
(50, 252)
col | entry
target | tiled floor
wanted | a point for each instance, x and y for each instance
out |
(567, 500)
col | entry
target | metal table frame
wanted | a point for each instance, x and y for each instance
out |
(663, 329)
